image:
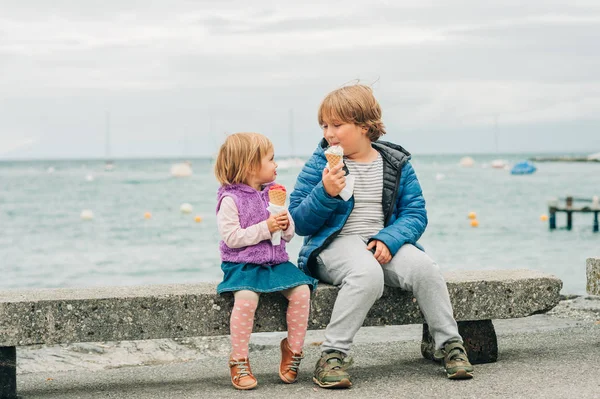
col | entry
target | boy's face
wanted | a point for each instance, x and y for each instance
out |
(351, 137)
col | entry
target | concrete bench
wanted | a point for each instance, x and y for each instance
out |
(55, 316)
(593, 276)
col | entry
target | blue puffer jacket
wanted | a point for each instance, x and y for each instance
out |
(320, 217)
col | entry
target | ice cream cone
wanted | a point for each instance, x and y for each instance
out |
(277, 197)
(334, 155)
(333, 159)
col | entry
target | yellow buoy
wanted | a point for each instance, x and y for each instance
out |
(198, 219)
(474, 223)
(147, 215)
(544, 218)
(472, 215)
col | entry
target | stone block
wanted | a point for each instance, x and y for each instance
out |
(53, 316)
(479, 339)
(593, 276)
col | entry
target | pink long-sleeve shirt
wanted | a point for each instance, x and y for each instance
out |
(234, 236)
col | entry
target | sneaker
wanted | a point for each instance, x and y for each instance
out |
(241, 374)
(290, 362)
(456, 361)
(330, 371)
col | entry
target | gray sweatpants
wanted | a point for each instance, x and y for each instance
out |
(347, 263)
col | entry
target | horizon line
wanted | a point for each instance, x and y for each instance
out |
(284, 156)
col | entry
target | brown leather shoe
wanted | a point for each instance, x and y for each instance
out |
(241, 374)
(290, 363)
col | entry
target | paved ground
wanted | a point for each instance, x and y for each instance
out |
(543, 356)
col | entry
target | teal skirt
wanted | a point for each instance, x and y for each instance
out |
(260, 278)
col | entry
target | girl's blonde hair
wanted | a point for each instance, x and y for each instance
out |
(353, 104)
(240, 154)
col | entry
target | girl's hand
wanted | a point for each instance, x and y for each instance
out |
(283, 221)
(273, 224)
(382, 253)
(334, 180)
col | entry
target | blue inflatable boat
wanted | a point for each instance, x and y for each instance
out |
(523, 168)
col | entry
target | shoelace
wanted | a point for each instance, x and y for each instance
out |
(295, 364)
(242, 368)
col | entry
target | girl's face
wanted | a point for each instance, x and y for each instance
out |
(268, 169)
(351, 137)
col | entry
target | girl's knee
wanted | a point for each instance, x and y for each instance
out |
(301, 290)
(246, 295)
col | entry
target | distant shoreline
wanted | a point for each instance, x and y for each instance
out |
(546, 157)
(564, 159)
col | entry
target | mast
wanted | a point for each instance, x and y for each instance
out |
(291, 133)
(496, 132)
(107, 138)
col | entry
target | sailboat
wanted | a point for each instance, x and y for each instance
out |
(293, 161)
(182, 169)
(497, 163)
(108, 164)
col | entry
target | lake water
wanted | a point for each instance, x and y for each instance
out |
(44, 242)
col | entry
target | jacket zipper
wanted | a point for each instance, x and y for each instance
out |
(272, 246)
(395, 195)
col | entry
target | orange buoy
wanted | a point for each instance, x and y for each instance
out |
(474, 223)
(147, 215)
(198, 219)
(544, 218)
(472, 215)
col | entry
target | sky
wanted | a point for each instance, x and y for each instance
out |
(172, 78)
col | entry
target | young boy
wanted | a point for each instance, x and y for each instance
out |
(370, 239)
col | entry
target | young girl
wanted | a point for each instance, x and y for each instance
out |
(363, 241)
(251, 263)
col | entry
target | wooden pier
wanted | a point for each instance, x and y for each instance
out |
(569, 208)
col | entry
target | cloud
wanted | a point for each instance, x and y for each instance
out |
(164, 65)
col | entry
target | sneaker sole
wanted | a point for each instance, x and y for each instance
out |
(286, 380)
(245, 388)
(344, 383)
(461, 375)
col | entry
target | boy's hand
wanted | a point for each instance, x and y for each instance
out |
(283, 221)
(273, 224)
(382, 253)
(334, 179)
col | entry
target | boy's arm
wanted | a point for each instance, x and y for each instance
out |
(412, 217)
(228, 221)
(310, 206)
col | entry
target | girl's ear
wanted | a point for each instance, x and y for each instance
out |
(253, 170)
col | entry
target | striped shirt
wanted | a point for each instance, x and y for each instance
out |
(366, 218)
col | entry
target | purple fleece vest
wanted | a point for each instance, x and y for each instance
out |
(252, 209)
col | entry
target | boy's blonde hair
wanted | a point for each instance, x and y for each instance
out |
(353, 104)
(240, 154)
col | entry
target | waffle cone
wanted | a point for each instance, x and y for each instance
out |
(277, 197)
(333, 159)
